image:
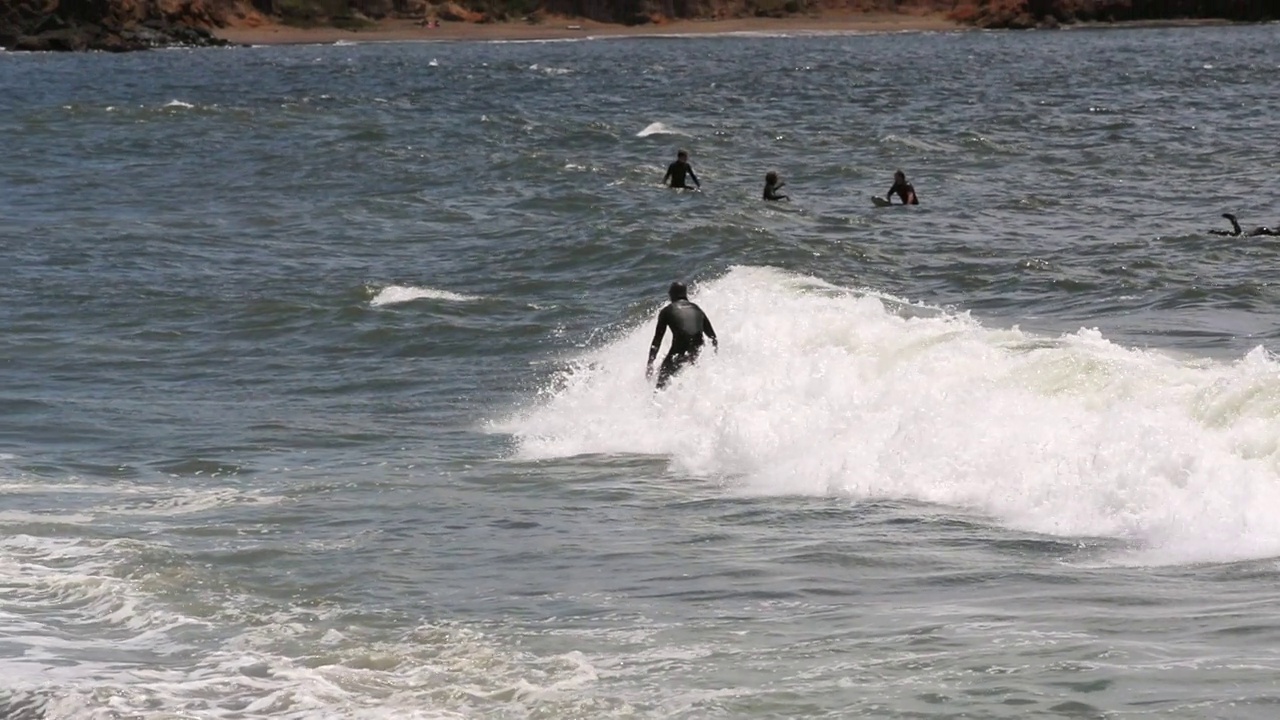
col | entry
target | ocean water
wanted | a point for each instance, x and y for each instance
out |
(322, 389)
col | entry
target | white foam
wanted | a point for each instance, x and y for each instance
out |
(177, 502)
(75, 582)
(22, 517)
(822, 391)
(435, 671)
(546, 41)
(178, 104)
(658, 128)
(917, 143)
(151, 500)
(23, 486)
(249, 656)
(396, 294)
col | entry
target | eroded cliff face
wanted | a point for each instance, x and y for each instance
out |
(115, 25)
(982, 13)
(119, 25)
(629, 12)
(1051, 13)
(632, 12)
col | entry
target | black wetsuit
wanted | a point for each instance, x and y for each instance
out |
(904, 191)
(1237, 231)
(676, 172)
(771, 192)
(688, 324)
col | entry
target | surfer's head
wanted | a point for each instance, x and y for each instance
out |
(682, 155)
(899, 176)
(678, 291)
(771, 178)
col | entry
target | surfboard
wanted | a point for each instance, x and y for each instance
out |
(879, 201)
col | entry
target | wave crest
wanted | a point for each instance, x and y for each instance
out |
(819, 390)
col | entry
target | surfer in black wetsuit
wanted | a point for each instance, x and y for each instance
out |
(688, 324)
(1237, 231)
(903, 189)
(678, 169)
(772, 186)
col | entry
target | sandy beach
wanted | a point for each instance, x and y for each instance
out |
(553, 28)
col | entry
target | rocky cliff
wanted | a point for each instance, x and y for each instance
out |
(118, 25)
(983, 13)
(1051, 13)
(115, 25)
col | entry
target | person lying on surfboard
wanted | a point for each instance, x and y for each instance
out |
(678, 169)
(903, 189)
(1237, 231)
(771, 187)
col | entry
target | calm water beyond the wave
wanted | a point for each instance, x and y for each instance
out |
(322, 380)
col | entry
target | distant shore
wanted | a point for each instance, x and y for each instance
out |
(569, 28)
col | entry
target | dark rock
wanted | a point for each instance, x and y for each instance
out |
(70, 39)
(376, 9)
(49, 24)
(114, 43)
(27, 43)
(114, 25)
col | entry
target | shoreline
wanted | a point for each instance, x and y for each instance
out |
(563, 28)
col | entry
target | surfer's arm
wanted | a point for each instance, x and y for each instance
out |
(656, 345)
(710, 331)
(695, 178)
(667, 177)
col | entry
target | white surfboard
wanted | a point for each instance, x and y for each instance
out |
(879, 201)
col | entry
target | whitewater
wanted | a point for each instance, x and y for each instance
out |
(831, 391)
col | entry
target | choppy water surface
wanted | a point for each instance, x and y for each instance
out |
(323, 394)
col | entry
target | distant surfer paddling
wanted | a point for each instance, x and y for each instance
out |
(677, 171)
(1237, 231)
(903, 189)
(688, 324)
(772, 186)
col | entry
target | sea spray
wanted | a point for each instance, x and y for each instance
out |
(818, 390)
